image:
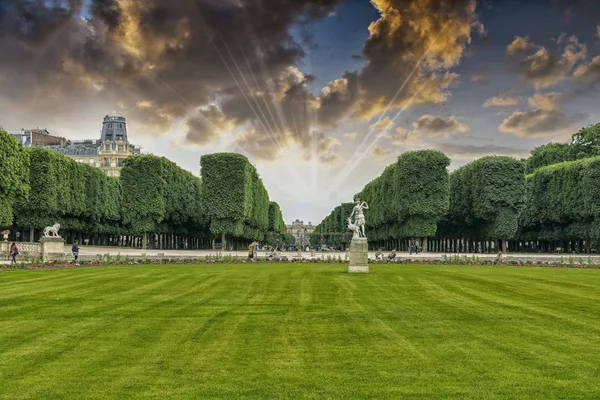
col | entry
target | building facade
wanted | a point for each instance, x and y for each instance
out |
(106, 153)
(37, 137)
(300, 232)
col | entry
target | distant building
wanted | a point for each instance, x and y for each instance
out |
(37, 137)
(106, 153)
(300, 232)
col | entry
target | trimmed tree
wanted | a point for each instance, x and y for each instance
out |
(14, 176)
(486, 199)
(235, 199)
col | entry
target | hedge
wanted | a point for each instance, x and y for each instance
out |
(14, 176)
(486, 199)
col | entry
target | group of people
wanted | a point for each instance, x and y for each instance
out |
(379, 255)
(415, 246)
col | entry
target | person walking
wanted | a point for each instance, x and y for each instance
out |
(412, 246)
(75, 250)
(14, 252)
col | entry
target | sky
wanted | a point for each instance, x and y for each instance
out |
(320, 95)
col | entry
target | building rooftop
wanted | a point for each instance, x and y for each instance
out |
(76, 150)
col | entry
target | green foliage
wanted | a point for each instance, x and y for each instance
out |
(78, 196)
(276, 222)
(102, 194)
(547, 154)
(144, 206)
(160, 197)
(486, 198)
(409, 197)
(235, 198)
(584, 144)
(562, 201)
(406, 200)
(14, 176)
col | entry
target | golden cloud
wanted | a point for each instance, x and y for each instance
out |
(412, 45)
(545, 67)
(546, 118)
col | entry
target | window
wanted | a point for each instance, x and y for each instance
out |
(107, 147)
(107, 162)
(120, 162)
(120, 147)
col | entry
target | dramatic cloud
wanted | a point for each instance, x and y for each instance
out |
(205, 127)
(588, 73)
(384, 125)
(518, 46)
(326, 147)
(429, 125)
(162, 61)
(547, 117)
(545, 67)
(500, 101)
(414, 43)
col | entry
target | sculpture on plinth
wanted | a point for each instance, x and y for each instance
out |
(359, 218)
(53, 246)
(52, 231)
(359, 247)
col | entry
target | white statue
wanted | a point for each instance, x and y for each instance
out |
(355, 229)
(359, 218)
(51, 229)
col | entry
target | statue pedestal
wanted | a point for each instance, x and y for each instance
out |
(359, 256)
(53, 248)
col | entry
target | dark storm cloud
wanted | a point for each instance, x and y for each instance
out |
(431, 125)
(204, 127)
(161, 60)
(337, 98)
(427, 36)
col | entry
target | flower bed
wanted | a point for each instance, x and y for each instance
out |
(116, 261)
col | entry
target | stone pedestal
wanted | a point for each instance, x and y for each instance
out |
(359, 256)
(53, 248)
(4, 247)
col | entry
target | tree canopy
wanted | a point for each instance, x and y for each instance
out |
(14, 176)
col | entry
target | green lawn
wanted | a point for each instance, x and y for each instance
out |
(299, 331)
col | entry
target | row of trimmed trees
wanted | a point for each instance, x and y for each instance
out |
(154, 203)
(546, 203)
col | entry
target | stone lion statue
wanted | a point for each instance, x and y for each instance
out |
(52, 230)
